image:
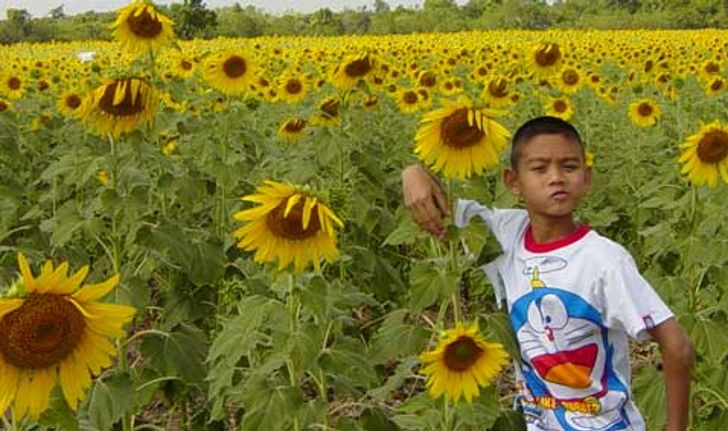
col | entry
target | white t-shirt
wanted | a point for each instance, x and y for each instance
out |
(572, 305)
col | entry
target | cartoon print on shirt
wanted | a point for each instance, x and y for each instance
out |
(567, 362)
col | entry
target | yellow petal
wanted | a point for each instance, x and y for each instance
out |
(94, 292)
(28, 279)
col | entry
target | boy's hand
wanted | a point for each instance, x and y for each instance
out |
(425, 200)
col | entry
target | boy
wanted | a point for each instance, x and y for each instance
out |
(573, 296)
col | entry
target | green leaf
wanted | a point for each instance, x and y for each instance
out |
(395, 339)
(402, 372)
(59, 415)
(418, 413)
(711, 339)
(348, 366)
(509, 421)
(274, 411)
(406, 232)
(430, 285)
(109, 400)
(649, 392)
(181, 353)
(498, 328)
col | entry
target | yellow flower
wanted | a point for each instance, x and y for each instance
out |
(292, 129)
(716, 86)
(589, 159)
(141, 29)
(57, 331)
(460, 140)
(230, 73)
(328, 112)
(103, 177)
(705, 155)
(351, 70)
(408, 100)
(291, 89)
(569, 80)
(547, 58)
(644, 112)
(289, 225)
(559, 107)
(497, 92)
(170, 147)
(461, 363)
(5, 105)
(12, 86)
(119, 106)
(69, 103)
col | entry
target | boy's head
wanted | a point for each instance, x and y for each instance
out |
(548, 169)
(542, 126)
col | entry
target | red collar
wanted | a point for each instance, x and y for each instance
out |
(535, 247)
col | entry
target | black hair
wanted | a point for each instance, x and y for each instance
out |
(541, 126)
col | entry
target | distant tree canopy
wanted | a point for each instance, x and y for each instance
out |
(193, 19)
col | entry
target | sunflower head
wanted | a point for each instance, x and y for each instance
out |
(54, 330)
(141, 29)
(644, 112)
(705, 155)
(290, 225)
(292, 129)
(119, 106)
(230, 73)
(461, 363)
(460, 140)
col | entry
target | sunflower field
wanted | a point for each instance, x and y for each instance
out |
(211, 234)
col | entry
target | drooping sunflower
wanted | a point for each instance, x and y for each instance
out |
(69, 103)
(119, 106)
(705, 155)
(460, 140)
(230, 73)
(497, 92)
(328, 112)
(559, 107)
(546, 59)
(292, 129)
(55, 330)
(461, 363)
(290, 225)
(715, 86)
(352, 69)
(141, 29)
(644, 112)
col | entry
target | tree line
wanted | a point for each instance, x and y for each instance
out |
(193, 19)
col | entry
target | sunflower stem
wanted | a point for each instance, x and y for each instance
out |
(293, 328)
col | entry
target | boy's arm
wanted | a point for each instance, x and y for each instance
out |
(677, 361)
(425, 199)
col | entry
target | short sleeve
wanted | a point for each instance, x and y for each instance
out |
(629, 301)
(505, 224)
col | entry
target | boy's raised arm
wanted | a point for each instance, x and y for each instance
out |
(677, 360)
(425, 199)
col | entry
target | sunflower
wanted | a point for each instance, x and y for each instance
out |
(291, 89)
(290, 225)
(496, 92)
(408, 100)
(644, 112)
(69, 103)
(559, 107)
(460, 140)
(547, 58)
(427, 79)
(55, 330)
(292, 129)
(588, 159)
(5, 105)
(370, 102)
(13, 86)
(119, 106)
(141, 29)
(352, 69)
(184, 67)
(706, 155)
(715, 86)
(461, 363)
(328, 112)
(230, 73)
(569, 80)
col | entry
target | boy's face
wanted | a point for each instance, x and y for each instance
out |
(551, 176)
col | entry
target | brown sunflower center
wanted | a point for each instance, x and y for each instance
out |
(498, 88)
(713, 148)
(570, 77)
(72, 101)
(409, 97)
(548, 55)
(645, 109)
(428, 79)
(291, 227)
(560, 106)
(130, 104)
(294, 86)
(330, 108)
(462, 354)
(457, 133)
(712, 68)
(185, 65)
(144, 25)
(358, 68)
(235, 67)
(717, 85)
(14, 83)
(42, 332)
(295, 126)
(3, 106)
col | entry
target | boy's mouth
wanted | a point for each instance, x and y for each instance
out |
(559, 194)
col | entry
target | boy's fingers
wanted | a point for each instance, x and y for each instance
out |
(441, 202)
(429, 217)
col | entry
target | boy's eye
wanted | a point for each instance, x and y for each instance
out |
(538, 168)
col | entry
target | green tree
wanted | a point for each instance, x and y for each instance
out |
(193, 19)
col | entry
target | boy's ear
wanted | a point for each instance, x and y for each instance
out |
(510, 178)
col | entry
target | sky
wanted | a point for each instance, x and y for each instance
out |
(40, 8)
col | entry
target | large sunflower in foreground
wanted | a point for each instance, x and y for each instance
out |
(56, 330)
(119, 106)
(460, 140)
(705, 155)
(230, 73)
(461, 362)
(289, 225)
(140, 28)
